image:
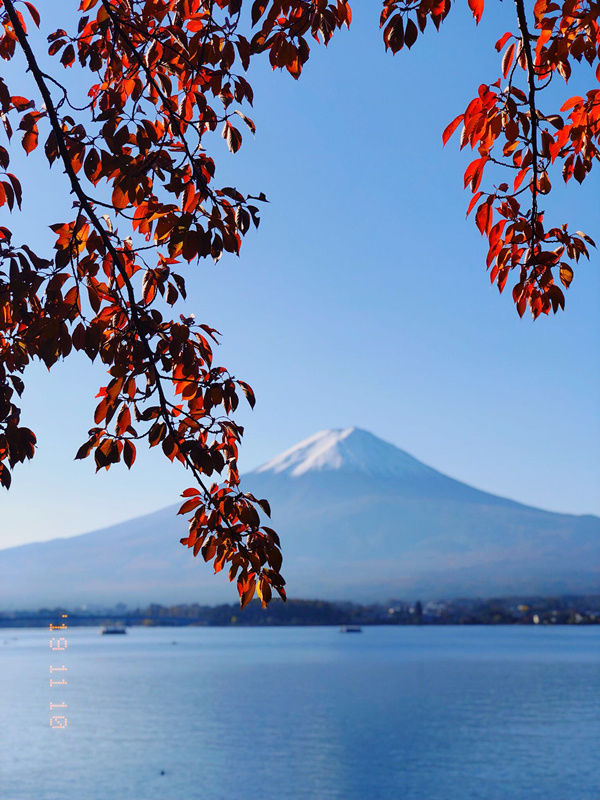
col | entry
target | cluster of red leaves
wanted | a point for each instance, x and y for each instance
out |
(403, 20)
(165, 75)
(506, 127)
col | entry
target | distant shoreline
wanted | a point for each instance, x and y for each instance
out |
(569, 610)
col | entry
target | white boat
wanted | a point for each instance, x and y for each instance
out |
(107, 629)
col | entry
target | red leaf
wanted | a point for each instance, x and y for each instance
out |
(232, 136)
(410, 33)
(483, 218)
(123, 420)
(21, 103)
(35, 16)
(30, 140)
(476, 7)
(129, 453)
(566, 275)
(258, 9)
(474, 200)
(148, 287)
(474, 173)
(508, 59)
(119, 198)
(190, 492)
(68, 56)
(189, 505)
(209, 549)
(249, 593)
(449, 130)
(503, 40)
(247, 390)
(264, 504)
(572, 101)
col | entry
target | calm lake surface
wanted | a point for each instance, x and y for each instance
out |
(432, 713)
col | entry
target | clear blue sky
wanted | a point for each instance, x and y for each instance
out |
(362, 299)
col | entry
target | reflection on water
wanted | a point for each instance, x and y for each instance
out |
(504, 713)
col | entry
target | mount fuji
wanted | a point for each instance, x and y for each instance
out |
(358, 518)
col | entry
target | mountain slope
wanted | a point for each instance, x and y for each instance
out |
(359, 519)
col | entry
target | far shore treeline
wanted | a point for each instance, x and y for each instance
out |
(565, 610)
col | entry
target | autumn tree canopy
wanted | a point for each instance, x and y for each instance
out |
(163, 77)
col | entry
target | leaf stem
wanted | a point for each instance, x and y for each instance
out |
(531, 75)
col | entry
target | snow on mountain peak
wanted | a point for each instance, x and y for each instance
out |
(347, 450)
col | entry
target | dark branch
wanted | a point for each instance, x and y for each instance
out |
(103, 233)
(531, 75)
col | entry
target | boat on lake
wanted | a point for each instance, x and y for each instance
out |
(110, 629)
(350, 629)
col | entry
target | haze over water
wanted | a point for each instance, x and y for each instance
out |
(432, 713)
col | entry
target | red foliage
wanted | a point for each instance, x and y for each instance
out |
(164, 75)
(510, 133)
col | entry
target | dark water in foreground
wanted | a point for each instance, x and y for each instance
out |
(501, 713)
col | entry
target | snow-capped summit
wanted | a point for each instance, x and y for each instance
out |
(346, 450)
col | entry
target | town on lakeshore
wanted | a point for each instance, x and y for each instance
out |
(565, 610)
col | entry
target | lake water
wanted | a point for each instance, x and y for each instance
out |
(432, 713)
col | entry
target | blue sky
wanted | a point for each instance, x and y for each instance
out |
(362, 299)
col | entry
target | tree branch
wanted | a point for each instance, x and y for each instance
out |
(531, 75)
(86, 205)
